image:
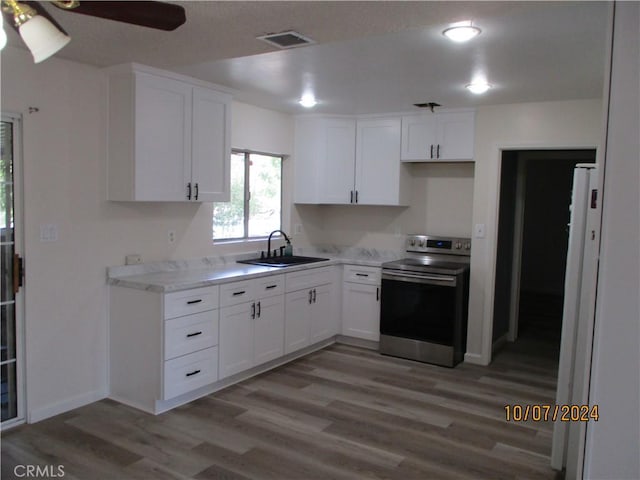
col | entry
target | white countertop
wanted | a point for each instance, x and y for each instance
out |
(183, 275)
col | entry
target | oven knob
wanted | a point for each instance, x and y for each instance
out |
(412, 242)
(422, 242)
(467, 246)
(458, 245)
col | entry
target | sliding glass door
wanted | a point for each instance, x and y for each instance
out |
(11, 291)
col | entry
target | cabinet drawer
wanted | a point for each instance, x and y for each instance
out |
(308, 278)
(269, 286)
(359, 274)
(236, 292)
(189, 372)
(177, 304)
(190, 333)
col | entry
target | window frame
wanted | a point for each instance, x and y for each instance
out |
(247, 196)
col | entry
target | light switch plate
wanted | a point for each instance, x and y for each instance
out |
(49, 232)
(479, 230)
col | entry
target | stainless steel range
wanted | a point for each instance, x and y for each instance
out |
(424, 301)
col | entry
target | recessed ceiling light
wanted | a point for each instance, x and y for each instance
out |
(308, 100)
(461, 32)
(478, 87)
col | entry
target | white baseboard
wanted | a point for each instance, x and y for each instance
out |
(37, 414)
(475, 359)
(358, 342)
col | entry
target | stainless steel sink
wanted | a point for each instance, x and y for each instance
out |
(290, 261)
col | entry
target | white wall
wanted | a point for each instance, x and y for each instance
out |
(613, 443)
(65, 184)
(556, 125)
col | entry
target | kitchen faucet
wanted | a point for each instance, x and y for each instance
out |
(269, 242)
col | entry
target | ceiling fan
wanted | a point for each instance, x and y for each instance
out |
(44, 36)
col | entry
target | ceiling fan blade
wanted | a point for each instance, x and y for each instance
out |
(158, 15)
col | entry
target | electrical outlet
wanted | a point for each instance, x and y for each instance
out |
(133, 259)
(297, 229)
(171, 237)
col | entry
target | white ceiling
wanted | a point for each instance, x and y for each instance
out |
(370, 57)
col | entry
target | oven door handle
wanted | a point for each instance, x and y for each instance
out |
(420, 278)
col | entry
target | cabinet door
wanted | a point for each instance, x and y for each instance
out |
(324, 314)
(211, 152)
(268, 333)
(361, 311)
(297, 320)
(455, 135)
(378, 161)
(236, 339)
(337, 170)
(162, 138)
(418, 137)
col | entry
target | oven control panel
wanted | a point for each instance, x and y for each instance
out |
(434, 244)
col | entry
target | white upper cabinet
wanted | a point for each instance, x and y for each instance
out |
(325, 153)
(169, 139)
(380, 177)
(439, 136)
(349, 161)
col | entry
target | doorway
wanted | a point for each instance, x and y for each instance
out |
(12, 293)
(534, 213)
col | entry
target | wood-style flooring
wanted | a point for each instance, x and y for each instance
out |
(339, 413)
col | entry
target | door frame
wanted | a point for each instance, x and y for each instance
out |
(18, 218)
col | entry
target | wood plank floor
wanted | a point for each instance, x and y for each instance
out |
(339, 413)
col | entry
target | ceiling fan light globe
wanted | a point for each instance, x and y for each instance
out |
(42, 38)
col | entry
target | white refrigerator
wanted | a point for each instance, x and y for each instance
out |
(577, 319)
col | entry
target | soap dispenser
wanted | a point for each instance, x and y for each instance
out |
(288, 249)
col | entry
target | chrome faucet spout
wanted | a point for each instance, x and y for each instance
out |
(269, 241)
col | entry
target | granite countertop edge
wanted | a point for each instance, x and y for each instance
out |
(165, 277)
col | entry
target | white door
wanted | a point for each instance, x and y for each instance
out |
(211, 151)
(455, 136)
(361, 311)
(378, 161)
(297, 319)
(236, 339)
(337, 168)
(268, 333)
(418, 137)
(324, 317)
(163, 138)
(12, 298)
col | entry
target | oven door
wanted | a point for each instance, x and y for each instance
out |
(420, 306)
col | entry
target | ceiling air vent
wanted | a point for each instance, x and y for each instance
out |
(288, 39)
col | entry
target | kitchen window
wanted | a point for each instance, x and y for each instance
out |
(255, 208)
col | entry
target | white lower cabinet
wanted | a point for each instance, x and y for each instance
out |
(311, 307)
(361, 302)
(252, 331)
(162, 345)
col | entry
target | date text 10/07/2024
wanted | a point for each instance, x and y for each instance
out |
(544, 413)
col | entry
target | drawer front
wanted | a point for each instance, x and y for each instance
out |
(190, 333)
(308, 278)
(196, 300)
(186, 373)
(236, 292)
(269, 286)
(365, 275)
